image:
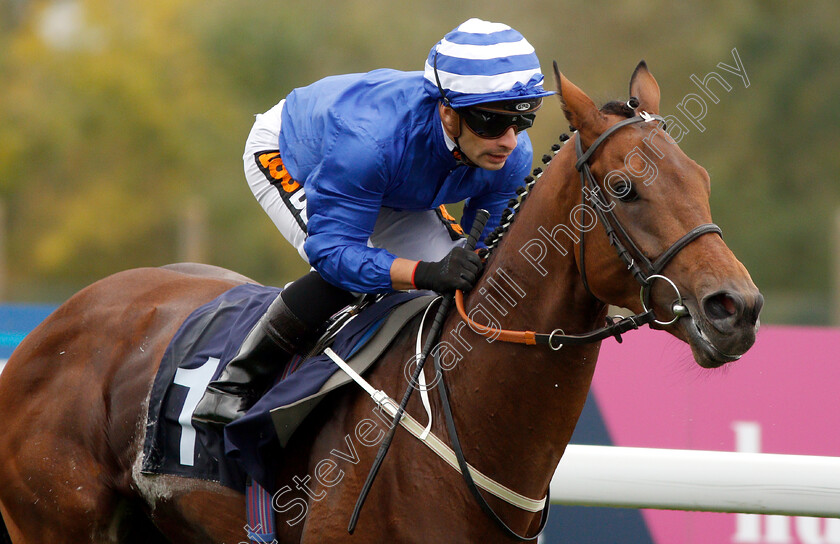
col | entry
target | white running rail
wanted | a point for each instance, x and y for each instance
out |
(712, 481)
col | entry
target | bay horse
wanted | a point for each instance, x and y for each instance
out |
(74, 395)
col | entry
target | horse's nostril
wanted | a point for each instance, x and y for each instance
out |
(754, 312)
(759, 304)
(721, 306)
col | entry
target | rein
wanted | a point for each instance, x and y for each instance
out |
(480, 220)
(556, 339)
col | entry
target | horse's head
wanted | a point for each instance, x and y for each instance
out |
(650, 197)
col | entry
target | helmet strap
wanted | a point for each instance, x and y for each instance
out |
(458, 153)
(460, 157)
(446, 101)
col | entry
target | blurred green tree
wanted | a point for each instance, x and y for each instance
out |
(115, 115)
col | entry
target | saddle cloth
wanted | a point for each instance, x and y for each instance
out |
(209, 339)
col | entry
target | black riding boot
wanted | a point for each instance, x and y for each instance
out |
(289, 326)
(277, 336)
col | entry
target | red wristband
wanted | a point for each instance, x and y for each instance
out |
(414, 272)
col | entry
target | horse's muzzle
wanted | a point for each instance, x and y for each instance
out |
(723, 326)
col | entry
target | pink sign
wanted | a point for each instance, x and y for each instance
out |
(781, 397)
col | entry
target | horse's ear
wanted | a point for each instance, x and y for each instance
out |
(579, 109)
(644, 87)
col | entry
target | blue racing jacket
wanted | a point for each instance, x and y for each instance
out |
(359, 142)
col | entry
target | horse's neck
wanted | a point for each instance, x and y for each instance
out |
(516, 405)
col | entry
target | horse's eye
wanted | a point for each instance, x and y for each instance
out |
(624, 191)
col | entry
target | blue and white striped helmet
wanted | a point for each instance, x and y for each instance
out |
(482, 61)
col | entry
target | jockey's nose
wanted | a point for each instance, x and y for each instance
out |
(508, 139)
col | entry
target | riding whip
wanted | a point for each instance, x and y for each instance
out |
(481, 217)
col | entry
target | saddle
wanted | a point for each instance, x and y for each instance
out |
(209, 339)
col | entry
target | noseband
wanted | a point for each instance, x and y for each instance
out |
(637, 262)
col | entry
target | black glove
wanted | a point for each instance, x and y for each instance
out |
(458, 270)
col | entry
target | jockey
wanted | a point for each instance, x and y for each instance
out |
(354, 171)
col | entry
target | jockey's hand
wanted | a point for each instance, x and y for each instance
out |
(458, 270)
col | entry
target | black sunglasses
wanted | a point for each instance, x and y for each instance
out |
(491, 124)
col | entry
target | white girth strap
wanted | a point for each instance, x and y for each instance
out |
(436, 444)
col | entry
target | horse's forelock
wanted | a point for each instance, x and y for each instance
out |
(616, 107)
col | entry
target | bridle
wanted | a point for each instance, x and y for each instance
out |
(643, 269)
(637, 262)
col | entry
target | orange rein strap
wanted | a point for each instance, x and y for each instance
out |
(517, 337)
(615, 327)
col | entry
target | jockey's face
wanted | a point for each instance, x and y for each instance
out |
(487, 153)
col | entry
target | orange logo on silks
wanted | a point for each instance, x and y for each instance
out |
(273, 167)
(451, 222)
